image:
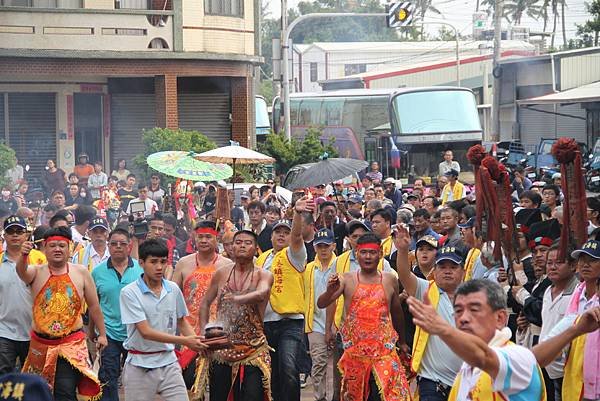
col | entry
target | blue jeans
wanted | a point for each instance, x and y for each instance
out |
(110, 369)
(285, 336)
(431, 391)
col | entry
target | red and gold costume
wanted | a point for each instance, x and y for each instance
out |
(244, 326)
(56, 313)
(194, 288)
(369, 341)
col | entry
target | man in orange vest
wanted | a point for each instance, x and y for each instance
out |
(493, 367)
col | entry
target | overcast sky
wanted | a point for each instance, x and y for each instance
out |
(459, 13)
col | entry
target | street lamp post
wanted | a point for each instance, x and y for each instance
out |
(457, 45)
(285, 66)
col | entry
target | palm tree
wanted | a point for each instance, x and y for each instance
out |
(515, 9)
(422, 8)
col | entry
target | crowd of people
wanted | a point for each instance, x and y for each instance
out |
(103, 298)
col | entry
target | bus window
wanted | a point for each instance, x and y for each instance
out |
(309, 112)
(436, 111)
(263, 124)
(331, 112)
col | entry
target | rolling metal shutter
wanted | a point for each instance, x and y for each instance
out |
(208, 113)
(572, 127)
(32, 129)
(535, 125)
(130, 114)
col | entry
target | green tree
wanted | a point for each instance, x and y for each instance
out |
(514, 10)
(291, 153)
(162, 139)
(8, 160)
(591, 26)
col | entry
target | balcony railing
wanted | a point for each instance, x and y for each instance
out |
(86, 29)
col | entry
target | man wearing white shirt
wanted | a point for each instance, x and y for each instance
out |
(150, 206)
(448, 164)
(493, 367)
(555, 304)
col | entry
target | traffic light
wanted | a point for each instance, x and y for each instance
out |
(399, 14)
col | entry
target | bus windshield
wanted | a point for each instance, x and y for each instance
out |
(435, 111)
(263, 125)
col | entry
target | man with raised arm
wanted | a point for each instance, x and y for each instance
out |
(58, 349)
(433, 361)
(284, 315)
(494, 368)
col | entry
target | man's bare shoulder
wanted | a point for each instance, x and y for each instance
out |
(77, 268)
(223, 271)
(188, 259)
(223, 261)
(264, 274)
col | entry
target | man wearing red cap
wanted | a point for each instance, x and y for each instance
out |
(58, 349)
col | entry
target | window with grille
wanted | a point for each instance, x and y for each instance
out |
(314, 72)
(351, 69)
(229, 8)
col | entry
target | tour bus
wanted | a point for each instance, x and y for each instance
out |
(368, 123)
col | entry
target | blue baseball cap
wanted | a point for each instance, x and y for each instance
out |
(451, 253)
(468, 224)
(24, 387)
(324, 236)
(17, 221)
(355, 198)
(98, 222)
(591, 248)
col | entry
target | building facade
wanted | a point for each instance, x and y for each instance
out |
(89, 75)
(531, 104)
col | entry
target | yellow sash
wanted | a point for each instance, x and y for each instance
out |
(572, 388)
(35, 257)
(386, 246)
(483, 390)
(470, 263)
(421, 336)
(309, 290)
(287, 293)
(457, 192)
(342, 265)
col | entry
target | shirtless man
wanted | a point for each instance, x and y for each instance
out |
(370, 365)
(193, 274)
(243, 292)
(58, 349)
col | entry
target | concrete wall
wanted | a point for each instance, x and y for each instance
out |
(82, 30)
(217, 34)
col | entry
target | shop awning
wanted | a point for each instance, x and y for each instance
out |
(582, 94)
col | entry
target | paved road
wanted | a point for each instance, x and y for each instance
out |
(306, 395)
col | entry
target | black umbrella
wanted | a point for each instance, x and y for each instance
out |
(327, 171)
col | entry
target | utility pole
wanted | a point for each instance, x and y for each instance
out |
(283, 51)
(496, 70)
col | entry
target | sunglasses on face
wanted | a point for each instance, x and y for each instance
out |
(12, 231)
